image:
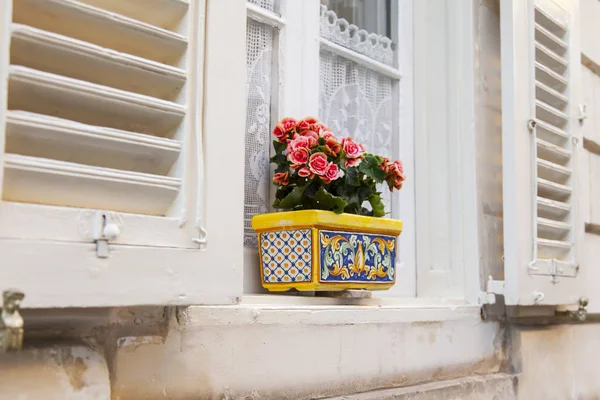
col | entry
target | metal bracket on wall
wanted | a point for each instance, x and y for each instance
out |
(581, 314)
(11, 322)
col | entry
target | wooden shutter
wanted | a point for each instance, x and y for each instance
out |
(103, 200)
(541, 139)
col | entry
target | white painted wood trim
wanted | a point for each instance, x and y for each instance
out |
(263, 16)
(5, 21)
(445, 95)
(141, 274)
(310, 60)
(360, 59)
(403, 201)
(465, 153)
(249, 313)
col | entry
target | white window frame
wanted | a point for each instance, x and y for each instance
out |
(296, 98)
(42, 255)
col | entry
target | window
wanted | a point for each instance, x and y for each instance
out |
(103, 171)
(349, 78)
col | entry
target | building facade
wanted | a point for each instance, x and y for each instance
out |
(145, 127)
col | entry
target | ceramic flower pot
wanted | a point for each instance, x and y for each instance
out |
(323, 251)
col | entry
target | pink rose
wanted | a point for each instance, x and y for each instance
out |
(306, 123)
(327, 135)
(281, 178)
(394, 174)
(332, 172)
(300, 142)
(312, 136)
(305, 173)
(385, 164)
(279, 133)
(352, 149)
(298, 157)
(318, 163)
(288, 124)
(318, 127)
(332, 146)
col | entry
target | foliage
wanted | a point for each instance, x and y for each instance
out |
(317, 170)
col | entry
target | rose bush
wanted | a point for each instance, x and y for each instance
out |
(317, 170)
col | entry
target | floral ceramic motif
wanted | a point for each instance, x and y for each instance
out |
(358, 257)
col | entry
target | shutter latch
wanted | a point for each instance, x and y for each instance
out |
(104, 231)
(11, 321)
(582, 113)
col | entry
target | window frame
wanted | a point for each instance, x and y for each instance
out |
(417, 281)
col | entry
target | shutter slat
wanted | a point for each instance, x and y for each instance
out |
(45, 93)
(548, 248)
(550, 114)
(54, 138)
(547, 57)
(552, 152)
(557, 210)
(550, 78)
(551, 133)
(553, 190)
(553, 172)
(104, 28)
(58, 54)
(549, 22)
(550, 40)
(550, 96)
(171, 11)
(550, 229)
(38, 180)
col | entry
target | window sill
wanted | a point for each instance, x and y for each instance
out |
(291, 310)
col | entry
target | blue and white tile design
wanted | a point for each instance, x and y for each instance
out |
(286, 256)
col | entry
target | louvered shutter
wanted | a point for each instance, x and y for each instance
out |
(540, 101)
(103, 199)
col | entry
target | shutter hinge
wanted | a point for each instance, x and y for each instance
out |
(104, 231)
(493, 288)
(11, 321)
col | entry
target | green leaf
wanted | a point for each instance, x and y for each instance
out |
(278, 146)
(327, 201)
(293, 199)
(371, 167)
(278, 159)
(285, 167)
(352, 176)
(377, 205)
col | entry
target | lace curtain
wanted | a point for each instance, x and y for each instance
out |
(268, 5)
(259, 43)
(354, 100)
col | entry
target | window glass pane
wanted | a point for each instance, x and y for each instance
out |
(370, 15)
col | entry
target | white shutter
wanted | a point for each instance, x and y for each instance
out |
(541, 132)
(101, 126)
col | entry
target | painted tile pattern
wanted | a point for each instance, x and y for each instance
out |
(286, 256)
(356, 257)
